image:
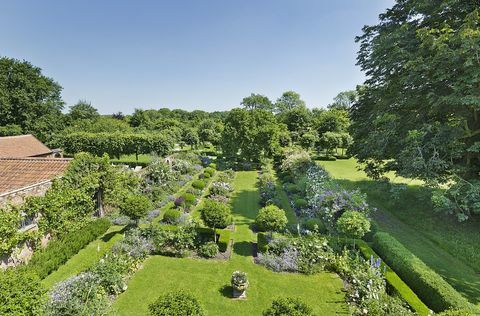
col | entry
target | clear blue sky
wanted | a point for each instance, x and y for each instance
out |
(196, 54)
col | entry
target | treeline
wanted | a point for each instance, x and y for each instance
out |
(34, 105)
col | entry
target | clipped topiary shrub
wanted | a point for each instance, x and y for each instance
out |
(198, 184)
(177, 303)
(171, 216)
(427, 284)
(300, 203)
(209, 171)
(271, 218)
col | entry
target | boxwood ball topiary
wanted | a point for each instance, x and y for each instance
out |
(178, 303)
(172, 216)
(198, 184)
(271, 218)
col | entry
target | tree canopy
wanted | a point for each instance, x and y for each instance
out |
(417, 113)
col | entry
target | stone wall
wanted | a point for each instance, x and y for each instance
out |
(18, 197)
(24, 251)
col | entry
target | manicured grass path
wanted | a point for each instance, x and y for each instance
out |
(210, 280)
(447, 246)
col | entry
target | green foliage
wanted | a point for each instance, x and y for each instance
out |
(189, 198)
(111, 272)
(224, 240)
(21, 293)
(271, 218)
(171, 216)
(395, 282)
(10, 130)
(208, 250)
(58, 251)
(288, 306)
(288, 101)
(10, 236)
(353, 224)
(198, 184)
(257, 101)
(29, 99)
(417, 113)
(136, 206)
(216, 214)
(428, 285)
(83, 110)
(255, 134)
(315, 225)
(116, 144)
(178, 303)
(262, 242)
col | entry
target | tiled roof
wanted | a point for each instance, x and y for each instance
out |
(22, 146)
(18, 173)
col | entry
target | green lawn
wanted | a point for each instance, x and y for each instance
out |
(209, 280)
(448, 247)
(86, 257)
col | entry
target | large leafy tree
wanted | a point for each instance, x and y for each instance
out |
(257, 101)
(288, 101)
(418, 113)
(29, 99)
(344, 100)
(83, 110)
(253, 134)
(297, 120)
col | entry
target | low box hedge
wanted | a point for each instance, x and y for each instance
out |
(58, 251)
(394, 281)
(262, 242)
(427, 284)
(223, 236)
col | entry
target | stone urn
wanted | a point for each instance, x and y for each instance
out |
(239, 284)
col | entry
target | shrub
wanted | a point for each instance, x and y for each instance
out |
(353, 224)
(262, 242)
(198, 184)
(271, 218)
(189, 199)
(177, 303)
(58, 251)
(291, 187)
(208, 250)
(135, 245)
(221, 188)
(213, 165)
(300, 203)
(173, 240)
(21, 293)
(78, 295)
(315, 224)
(209, 170)
(110, 272)
(207, 175)
(136, 206)
(427, 284)
(216, 215)
(171, 216)
(288, 306)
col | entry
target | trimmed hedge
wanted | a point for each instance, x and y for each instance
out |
(262, 242)
(394, 281)
(223, 240)
(58, 251)
(223, 236)
(429, 286)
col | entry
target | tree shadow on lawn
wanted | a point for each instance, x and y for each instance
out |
(245, 204)
(107, 237)
(243, 248)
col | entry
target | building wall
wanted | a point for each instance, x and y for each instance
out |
(25, 251)
(18, 197)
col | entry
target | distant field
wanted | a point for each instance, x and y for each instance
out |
(447, 246)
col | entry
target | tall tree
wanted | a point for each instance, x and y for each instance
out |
(344, 100)
(257, 101)
(29, 99)
(288, 101)
(83, 110)
(418, 113)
